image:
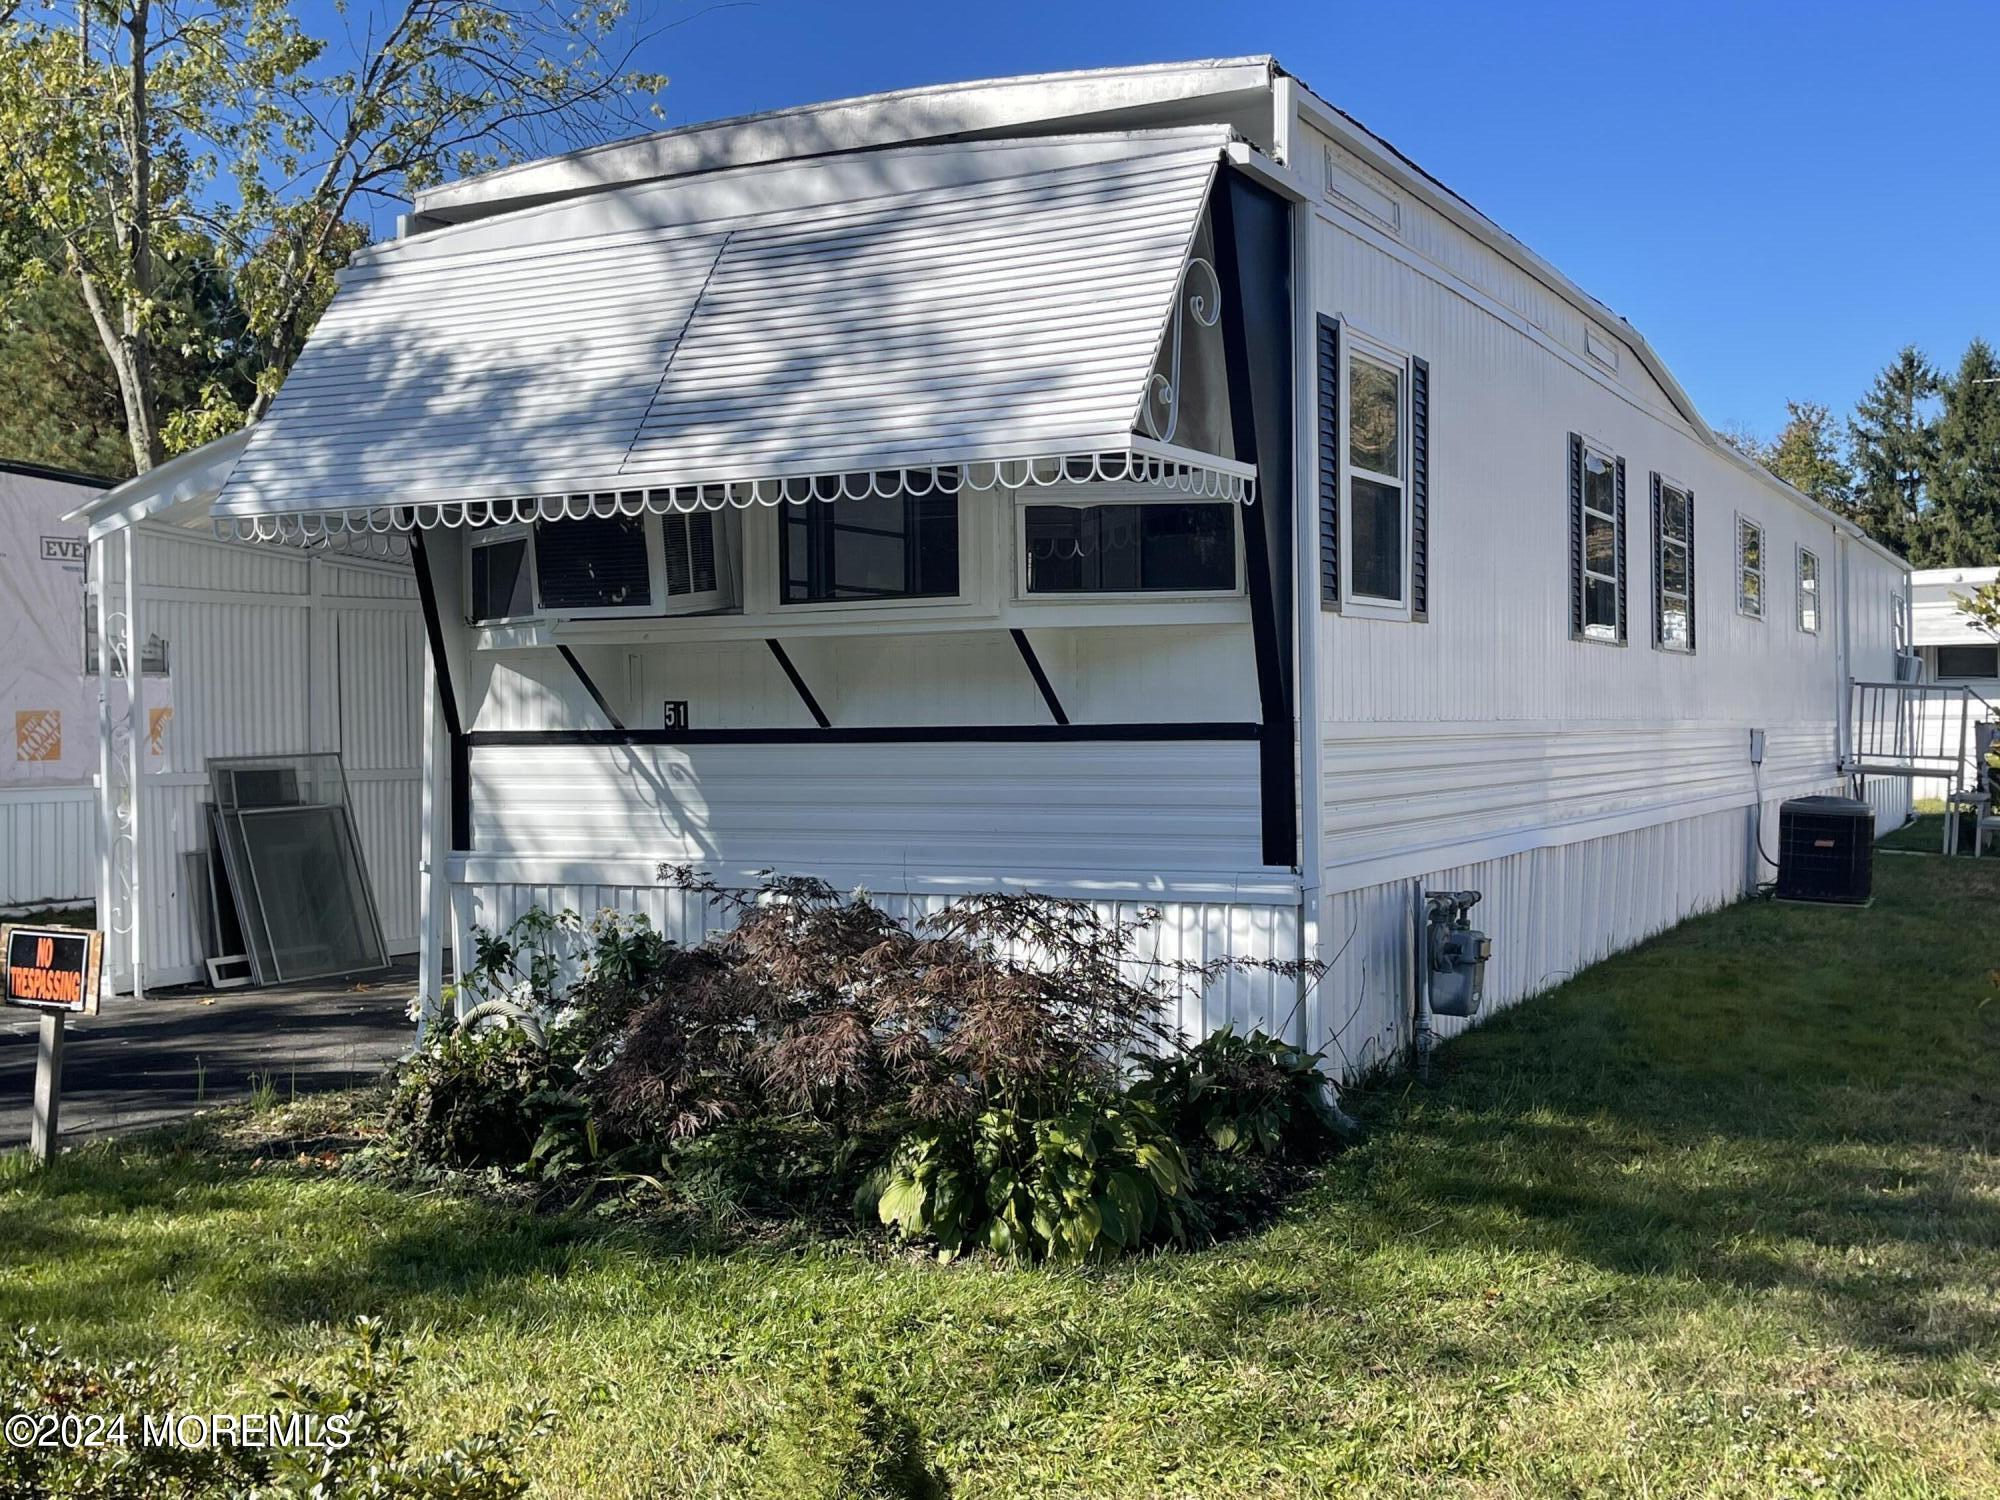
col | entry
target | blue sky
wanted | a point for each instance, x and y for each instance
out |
(1777, 195)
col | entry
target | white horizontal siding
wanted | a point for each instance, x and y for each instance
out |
(48, 845)
(1014, 311)
(1187, 932)
(972, 809)
(1397, 792)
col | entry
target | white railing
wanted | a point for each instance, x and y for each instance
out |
(1917, 729)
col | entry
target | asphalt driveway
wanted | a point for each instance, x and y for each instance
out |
(144, 1063)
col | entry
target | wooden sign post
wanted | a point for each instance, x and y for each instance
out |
(54, 970)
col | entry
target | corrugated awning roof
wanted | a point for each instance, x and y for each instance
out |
(991, 313)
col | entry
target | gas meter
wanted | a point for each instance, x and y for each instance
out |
(1456, 952)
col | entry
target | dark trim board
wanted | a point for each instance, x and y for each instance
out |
(894, 734)
(590, 687)
(798, 683)
(1042, 683)
(1253, 249)
(461, 758)
(62, 476)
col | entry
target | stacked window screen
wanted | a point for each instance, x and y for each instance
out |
(1808, 591)
(1673, 566)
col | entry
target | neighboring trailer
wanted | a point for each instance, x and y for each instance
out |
(1954, 652)
(1143, 486)
(48, 713)
(247, 650)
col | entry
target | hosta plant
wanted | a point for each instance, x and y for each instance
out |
(1101, 1176)
(1243, 1094)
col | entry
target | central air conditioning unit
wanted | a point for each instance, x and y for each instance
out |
(1826, 850)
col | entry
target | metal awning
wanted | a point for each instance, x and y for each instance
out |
(977, 315)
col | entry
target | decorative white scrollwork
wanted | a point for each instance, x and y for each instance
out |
(1198, 294)
(1108, 466)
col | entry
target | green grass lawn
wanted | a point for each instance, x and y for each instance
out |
(1720, 1216)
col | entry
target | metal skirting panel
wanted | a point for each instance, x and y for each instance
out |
(48, 845)
(1550, 912)
(1197, 932)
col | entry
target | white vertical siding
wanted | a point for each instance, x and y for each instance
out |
(271, 652)
(48, 845)
(1187, 932)
(1549, 911)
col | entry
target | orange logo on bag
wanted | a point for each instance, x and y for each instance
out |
(38, 734)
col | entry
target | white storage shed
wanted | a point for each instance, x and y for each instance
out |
(1142, 485)
(246, 650)
(48, 712)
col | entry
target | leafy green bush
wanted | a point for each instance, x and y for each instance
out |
(365, 1453)
(1104, 1175)
(470, 1098)
(1243, 1095)
(973, 1064)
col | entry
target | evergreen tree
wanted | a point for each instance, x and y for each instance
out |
(1962, 528)
(59, 399)
(1894, 446)
(1807, 456)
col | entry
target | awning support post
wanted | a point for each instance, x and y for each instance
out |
(135, 710)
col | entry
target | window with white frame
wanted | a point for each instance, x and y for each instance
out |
(1134, 545)
(599, 567)
(1602, 546)
(1808, 591)
(500, 575)
(1749, 568)
(895, 545)
(1374, 429)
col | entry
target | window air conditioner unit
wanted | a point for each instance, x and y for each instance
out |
(1826, 846)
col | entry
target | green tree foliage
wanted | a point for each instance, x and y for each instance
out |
(1893, 442)
(1962, 526)
(1807, 456)
(153, 143)
(59, 400)
(1981, 607)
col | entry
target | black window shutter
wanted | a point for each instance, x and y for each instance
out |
(1329, 463)
(1691, 570)
(1420, 490)
(1576, 536)
(1618, 470)
(1659, 566)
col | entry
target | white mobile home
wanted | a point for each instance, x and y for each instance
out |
(1141, 485)
(1960, 659)
(245, 650)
